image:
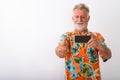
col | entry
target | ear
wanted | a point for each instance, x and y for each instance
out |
(88, 18)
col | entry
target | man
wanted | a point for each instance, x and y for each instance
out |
(82, 58)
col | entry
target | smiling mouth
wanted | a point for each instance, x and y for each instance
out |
(80, 23)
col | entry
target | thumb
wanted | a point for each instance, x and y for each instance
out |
(93, 35)
(64, 43)
(89, 34)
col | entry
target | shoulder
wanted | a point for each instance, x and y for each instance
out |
(66, 34)
(99, 35)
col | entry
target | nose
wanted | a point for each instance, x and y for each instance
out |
(80, 19)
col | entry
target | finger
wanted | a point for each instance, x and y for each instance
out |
(63, 49)
(92, 44)
(64, 43)
(89, 34)
(91, 40)
(62, 55)
(92, 35)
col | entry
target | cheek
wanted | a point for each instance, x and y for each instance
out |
(74, 20)
(85, 20)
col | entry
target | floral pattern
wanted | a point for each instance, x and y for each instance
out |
(82, 62)
(86, 70)
(75, 49)
(92, 55)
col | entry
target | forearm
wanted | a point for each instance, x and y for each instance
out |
(104, 52)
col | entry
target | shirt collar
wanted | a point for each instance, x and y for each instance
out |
(75, 32)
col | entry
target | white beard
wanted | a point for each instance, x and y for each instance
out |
(80, 26)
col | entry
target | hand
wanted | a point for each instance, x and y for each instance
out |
(62, 49)
(94, 41)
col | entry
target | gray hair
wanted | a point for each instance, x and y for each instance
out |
(81, 6)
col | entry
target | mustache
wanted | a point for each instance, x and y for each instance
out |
(80, 22)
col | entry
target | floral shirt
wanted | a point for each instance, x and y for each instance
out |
(81, 62)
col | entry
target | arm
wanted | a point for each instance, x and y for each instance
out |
(103, 50)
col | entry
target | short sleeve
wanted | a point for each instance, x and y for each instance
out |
(101, 39)
(63, 37)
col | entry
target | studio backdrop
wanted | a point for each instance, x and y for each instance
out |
(30, 31)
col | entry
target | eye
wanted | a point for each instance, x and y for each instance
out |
(76, 16)
(83, 17)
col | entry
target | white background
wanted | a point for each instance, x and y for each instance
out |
(30, 30)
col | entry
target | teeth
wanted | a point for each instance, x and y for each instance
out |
(79, 22)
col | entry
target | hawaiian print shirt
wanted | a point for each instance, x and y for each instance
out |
(81, 62)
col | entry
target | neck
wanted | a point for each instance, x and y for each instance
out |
(82, 31)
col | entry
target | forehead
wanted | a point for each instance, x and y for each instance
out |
(80, 12)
